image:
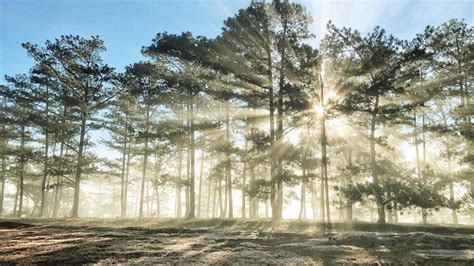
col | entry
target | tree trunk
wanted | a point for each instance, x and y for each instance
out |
(188, 172)
(253, 207)
(45, 164)
(273, 162)
(17, 193)
(200, 184)
(314, 199)
(192, 147)
(80, 162)
(214, 196)
(178, 187)
(415, 140)
(58, 187)
(302, 214)
(349, 184)
(324, 163)
(209, 183)
(228, 162)
(145, 161)
(4, 168)
(221, 207)
(158, 204)
(244, 177)
(373, 164)
(123, 201)
(147, 197)
(21, 171)
(451, 199)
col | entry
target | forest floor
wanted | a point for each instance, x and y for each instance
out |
(104, 241)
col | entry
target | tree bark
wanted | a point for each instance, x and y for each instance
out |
(178, 187)
(4, 168)
(228, 163)
(58, 187)
(21, 171)
(373, 163)
(145, 161)
(244, 173)
(80, 162)
(209, 183)
(191, 212)
(349, 184)
(45, 164)
(200, 184)
(123, 201)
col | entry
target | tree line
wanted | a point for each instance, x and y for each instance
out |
(254, 112)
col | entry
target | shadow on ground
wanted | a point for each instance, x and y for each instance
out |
(82, 241)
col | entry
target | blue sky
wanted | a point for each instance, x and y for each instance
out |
(127, 25)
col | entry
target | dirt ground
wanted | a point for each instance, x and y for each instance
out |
(63, 241)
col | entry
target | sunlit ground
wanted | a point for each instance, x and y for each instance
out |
(229, 241)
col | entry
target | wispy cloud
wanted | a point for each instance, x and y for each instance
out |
(403, 18)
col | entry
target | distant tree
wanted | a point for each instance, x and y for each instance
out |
(74, 63)
(374, 66)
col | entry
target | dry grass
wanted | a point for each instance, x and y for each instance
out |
(228, 241)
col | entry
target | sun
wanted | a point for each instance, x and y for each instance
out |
(319, 109)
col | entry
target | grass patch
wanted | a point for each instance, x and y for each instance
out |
(289, 226)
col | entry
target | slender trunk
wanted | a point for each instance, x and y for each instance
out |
(418, 163)
(451, 199)
(2, 191)
(322, 205)
(267, 207)
(147, 197)
(225, 193)
(151, 200)
(4, 164)
(451, 194)
(228, 162)
(424, 212)
(4, 168)
(221, 207)
(325, 170)
(158, 204)
(191, 213)
(277, 203)
(123, 202)
(415, 140)
(273, 162)
(214, 196)
(302, 214)
(58, 187)
(349, 184)
(209, 183)
(200, 184)
(395, 212)
(21, 171)
(80, 162)
(145, 161)
(324, 165)
(244, 176)
(373, 164)
(188, 170)
(17, 193)
(127, 174)
(45, 164)
(253, 202)
(178, 187)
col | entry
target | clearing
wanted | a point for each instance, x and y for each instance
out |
(59, 241)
